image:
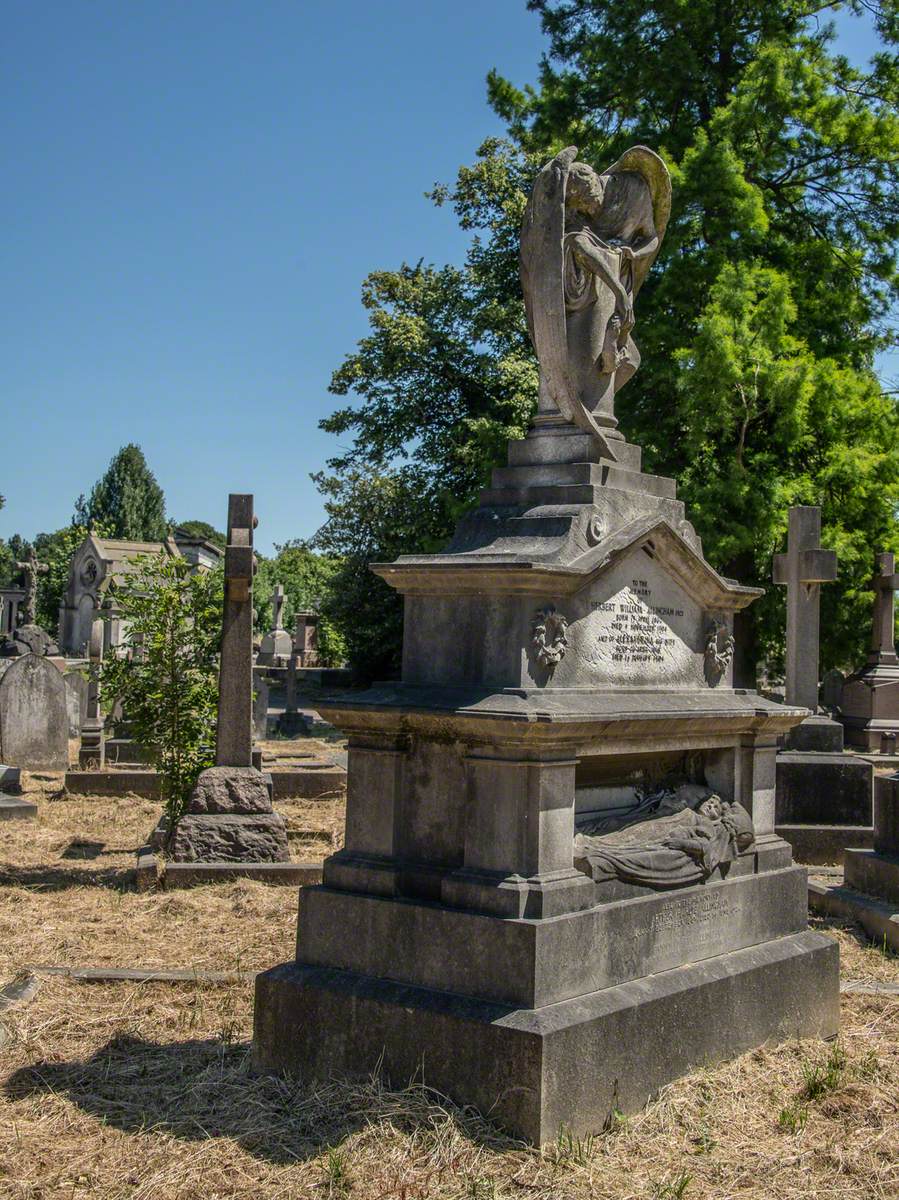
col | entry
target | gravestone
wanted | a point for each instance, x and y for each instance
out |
(803, 569)
(230, 816)
(870, 704)
(560, 868)
(305, 641)
(276, 647)
(824, 796)
(92, 752)
(33, 715)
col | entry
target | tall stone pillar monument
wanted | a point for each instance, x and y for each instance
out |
(560, 868)
(230, 817)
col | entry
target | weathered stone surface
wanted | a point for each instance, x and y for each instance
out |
(261, 837)
(113, 782)
(886, 814)
(588, 241)
(817, 734)
(824, 789)
(530, 964)
(30, 639)
(568, 656)
(33, 716)
(566, 1065)
(873, 872)
(76, 700)
(10, 779)
(231, 790)
(803, 569)
(16, 808)
(818, 845)
(878, 918)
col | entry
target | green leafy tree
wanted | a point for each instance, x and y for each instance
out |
(758, 326)
(166, 681)
(202, 529)
(371, 517)
(308, 579)
(127, 499)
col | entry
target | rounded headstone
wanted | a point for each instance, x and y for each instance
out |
(33, 716)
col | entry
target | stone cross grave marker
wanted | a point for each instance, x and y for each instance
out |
(277, 605)
(886, 583)
(234, 732)
(803, 569)
(31, 569)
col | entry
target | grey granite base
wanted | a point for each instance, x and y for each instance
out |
(14, 808)
(824, 789)
(878, 918)
(874, 873)
(569, 1064)
(819, 844)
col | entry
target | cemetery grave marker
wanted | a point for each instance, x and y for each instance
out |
(559, 835)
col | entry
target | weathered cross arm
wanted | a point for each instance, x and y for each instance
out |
(812, 566)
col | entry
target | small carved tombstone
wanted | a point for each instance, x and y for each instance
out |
(33, 715)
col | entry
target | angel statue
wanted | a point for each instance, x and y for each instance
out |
(587, 243)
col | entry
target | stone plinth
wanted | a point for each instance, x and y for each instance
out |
(570, 649)
(876, 871)
(230, 819)
(824, 789)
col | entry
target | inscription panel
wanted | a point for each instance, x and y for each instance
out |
(640, 628)
(637, 632)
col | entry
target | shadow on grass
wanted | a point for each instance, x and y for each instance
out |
(196, 1090)
(60, 879)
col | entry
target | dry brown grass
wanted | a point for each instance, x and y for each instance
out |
(145, 1091)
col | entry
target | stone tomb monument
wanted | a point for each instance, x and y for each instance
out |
(230, 817)
(870, 699)
(277, 646)
(305, 638)
(824, 796)
(560, 869)
(34, 722)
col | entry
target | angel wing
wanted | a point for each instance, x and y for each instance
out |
(542, 231)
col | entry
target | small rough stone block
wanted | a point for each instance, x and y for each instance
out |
(231, 837)
(231, 790)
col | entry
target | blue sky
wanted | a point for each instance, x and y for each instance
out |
(193, 195)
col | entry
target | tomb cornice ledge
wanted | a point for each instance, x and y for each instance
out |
(504, 574)
(558, 717)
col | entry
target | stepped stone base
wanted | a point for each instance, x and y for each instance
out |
(567, 1064)
(819, 844)
(230, 819)
(874, 873)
